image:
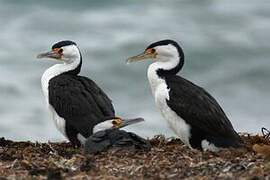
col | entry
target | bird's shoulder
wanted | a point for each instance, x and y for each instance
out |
(68, 80)
(65, 92)
(82, 88)
(184, 90)
(64, 81)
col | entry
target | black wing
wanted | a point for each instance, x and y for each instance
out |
(102, 100)
(198, 108)
(79, 101)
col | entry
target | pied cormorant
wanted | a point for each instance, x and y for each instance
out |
(191, 112)
(76, 102)
(107, 135)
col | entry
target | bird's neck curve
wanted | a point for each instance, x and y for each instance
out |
(169, 67)
(72, 68)
(158, 71)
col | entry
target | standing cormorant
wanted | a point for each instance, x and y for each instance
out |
(76, 102)
(192, 113)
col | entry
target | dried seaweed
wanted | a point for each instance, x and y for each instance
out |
(168, 159)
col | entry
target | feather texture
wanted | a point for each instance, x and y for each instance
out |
(80, 102)
(202, 112)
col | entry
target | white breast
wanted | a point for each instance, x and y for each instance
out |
(59, 122)
(161, 94)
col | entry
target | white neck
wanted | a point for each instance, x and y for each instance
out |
(102, 126)
(56, 70)
(152, 75)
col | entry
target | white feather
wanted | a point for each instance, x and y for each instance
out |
(207, 146)
(59, 122)
(103, 126)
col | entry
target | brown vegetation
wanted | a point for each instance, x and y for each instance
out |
(168, 158)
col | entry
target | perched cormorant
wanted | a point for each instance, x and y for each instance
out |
(107, 134)
(77, 104)
(192, 113)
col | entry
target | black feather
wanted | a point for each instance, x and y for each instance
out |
(202, 112)
(80, 102)
(63, 43)
(103, 140)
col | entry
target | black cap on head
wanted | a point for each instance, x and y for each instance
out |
(63, 43)
(166, 42)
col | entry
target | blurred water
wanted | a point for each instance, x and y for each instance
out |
(226, 44)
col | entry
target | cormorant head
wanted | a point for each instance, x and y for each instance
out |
(66, 51)
(163, 51)
(115, 123)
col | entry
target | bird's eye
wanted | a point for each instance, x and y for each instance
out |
(114, 122)
(153, 51)
(60, 51)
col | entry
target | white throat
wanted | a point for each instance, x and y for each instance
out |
(152, 75)
(56, 70)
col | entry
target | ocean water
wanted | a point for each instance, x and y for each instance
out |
(226, 44)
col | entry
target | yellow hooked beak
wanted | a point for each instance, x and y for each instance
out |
(148, 54)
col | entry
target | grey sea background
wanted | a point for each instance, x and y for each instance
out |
(226, 44)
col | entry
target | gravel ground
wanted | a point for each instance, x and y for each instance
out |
(168, 159)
